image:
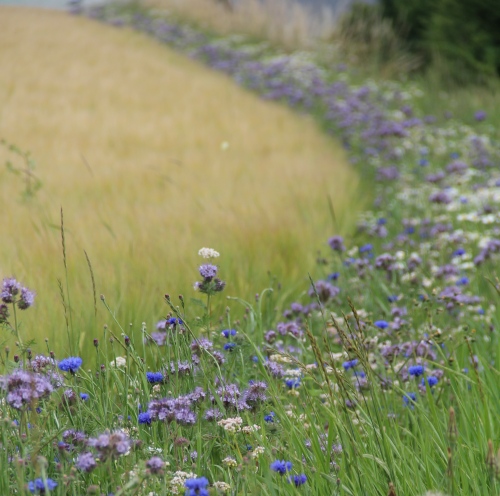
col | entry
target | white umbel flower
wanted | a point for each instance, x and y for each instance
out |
(208, 253)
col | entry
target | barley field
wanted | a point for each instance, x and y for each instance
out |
(150, 155)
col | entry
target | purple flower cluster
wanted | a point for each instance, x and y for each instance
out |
(11, 289)
(173, 409)
(111, 445)
(25, 388)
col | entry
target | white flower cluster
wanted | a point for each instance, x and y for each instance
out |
(208, 253)
(119, 362)
(231, 424)
(222, 487)
(178, 480)
(229, 461)
(248, 429)
(257, 451)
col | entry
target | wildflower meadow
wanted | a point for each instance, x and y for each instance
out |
(379, 377)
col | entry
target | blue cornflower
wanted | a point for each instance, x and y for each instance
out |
(229, 346)
(431, 380)
(298, 480)
(392, 298)
(154, 377)
(270, 418)
(38, 486)
(333, 276)
(196, 487)
(350, 364)
(416, 370)
(84, 396)
(144, 418)
(409, 399)
(366, 248)
(292, 383)
(463, 281)
(459, 252)
(228, 332)
(255, 359)
(70, 364)
(281, 466)
(174, 321)
(381, 324)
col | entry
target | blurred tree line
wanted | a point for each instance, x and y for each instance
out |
(461, 36)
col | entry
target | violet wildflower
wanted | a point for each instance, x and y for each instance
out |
(10, 289)
(208, 271)
(256, 393)
(27, 299)
(336, 243)
(213, 414)
(154, 377)
(24, 388)
(197, 487)
(39, 486)
(416, 370)
(281, 466)
(155, 465)
(86, 462)
(111, 445)
(298, 480)
(70, 364)
(170, 409)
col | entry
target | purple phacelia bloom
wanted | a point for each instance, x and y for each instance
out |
(416, 370)
(324, 291)
(196, 487)
(256, 393)
(208, 271)
(27, 299)
(41, 362)
(336, 243)
(74, 437)
(201, 344)
(298, 480)
(10, 289)
(213, 414)
(111, 445)
(24, 388)
(480, 115)
(70, 364)
(281, 466)
(144, 418)
(154, 377)
(170, 409)
(40, 486)
(155, 465)
(275, 369)
(228, 332)
(86, 462)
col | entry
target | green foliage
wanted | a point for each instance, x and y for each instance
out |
(462, 36)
